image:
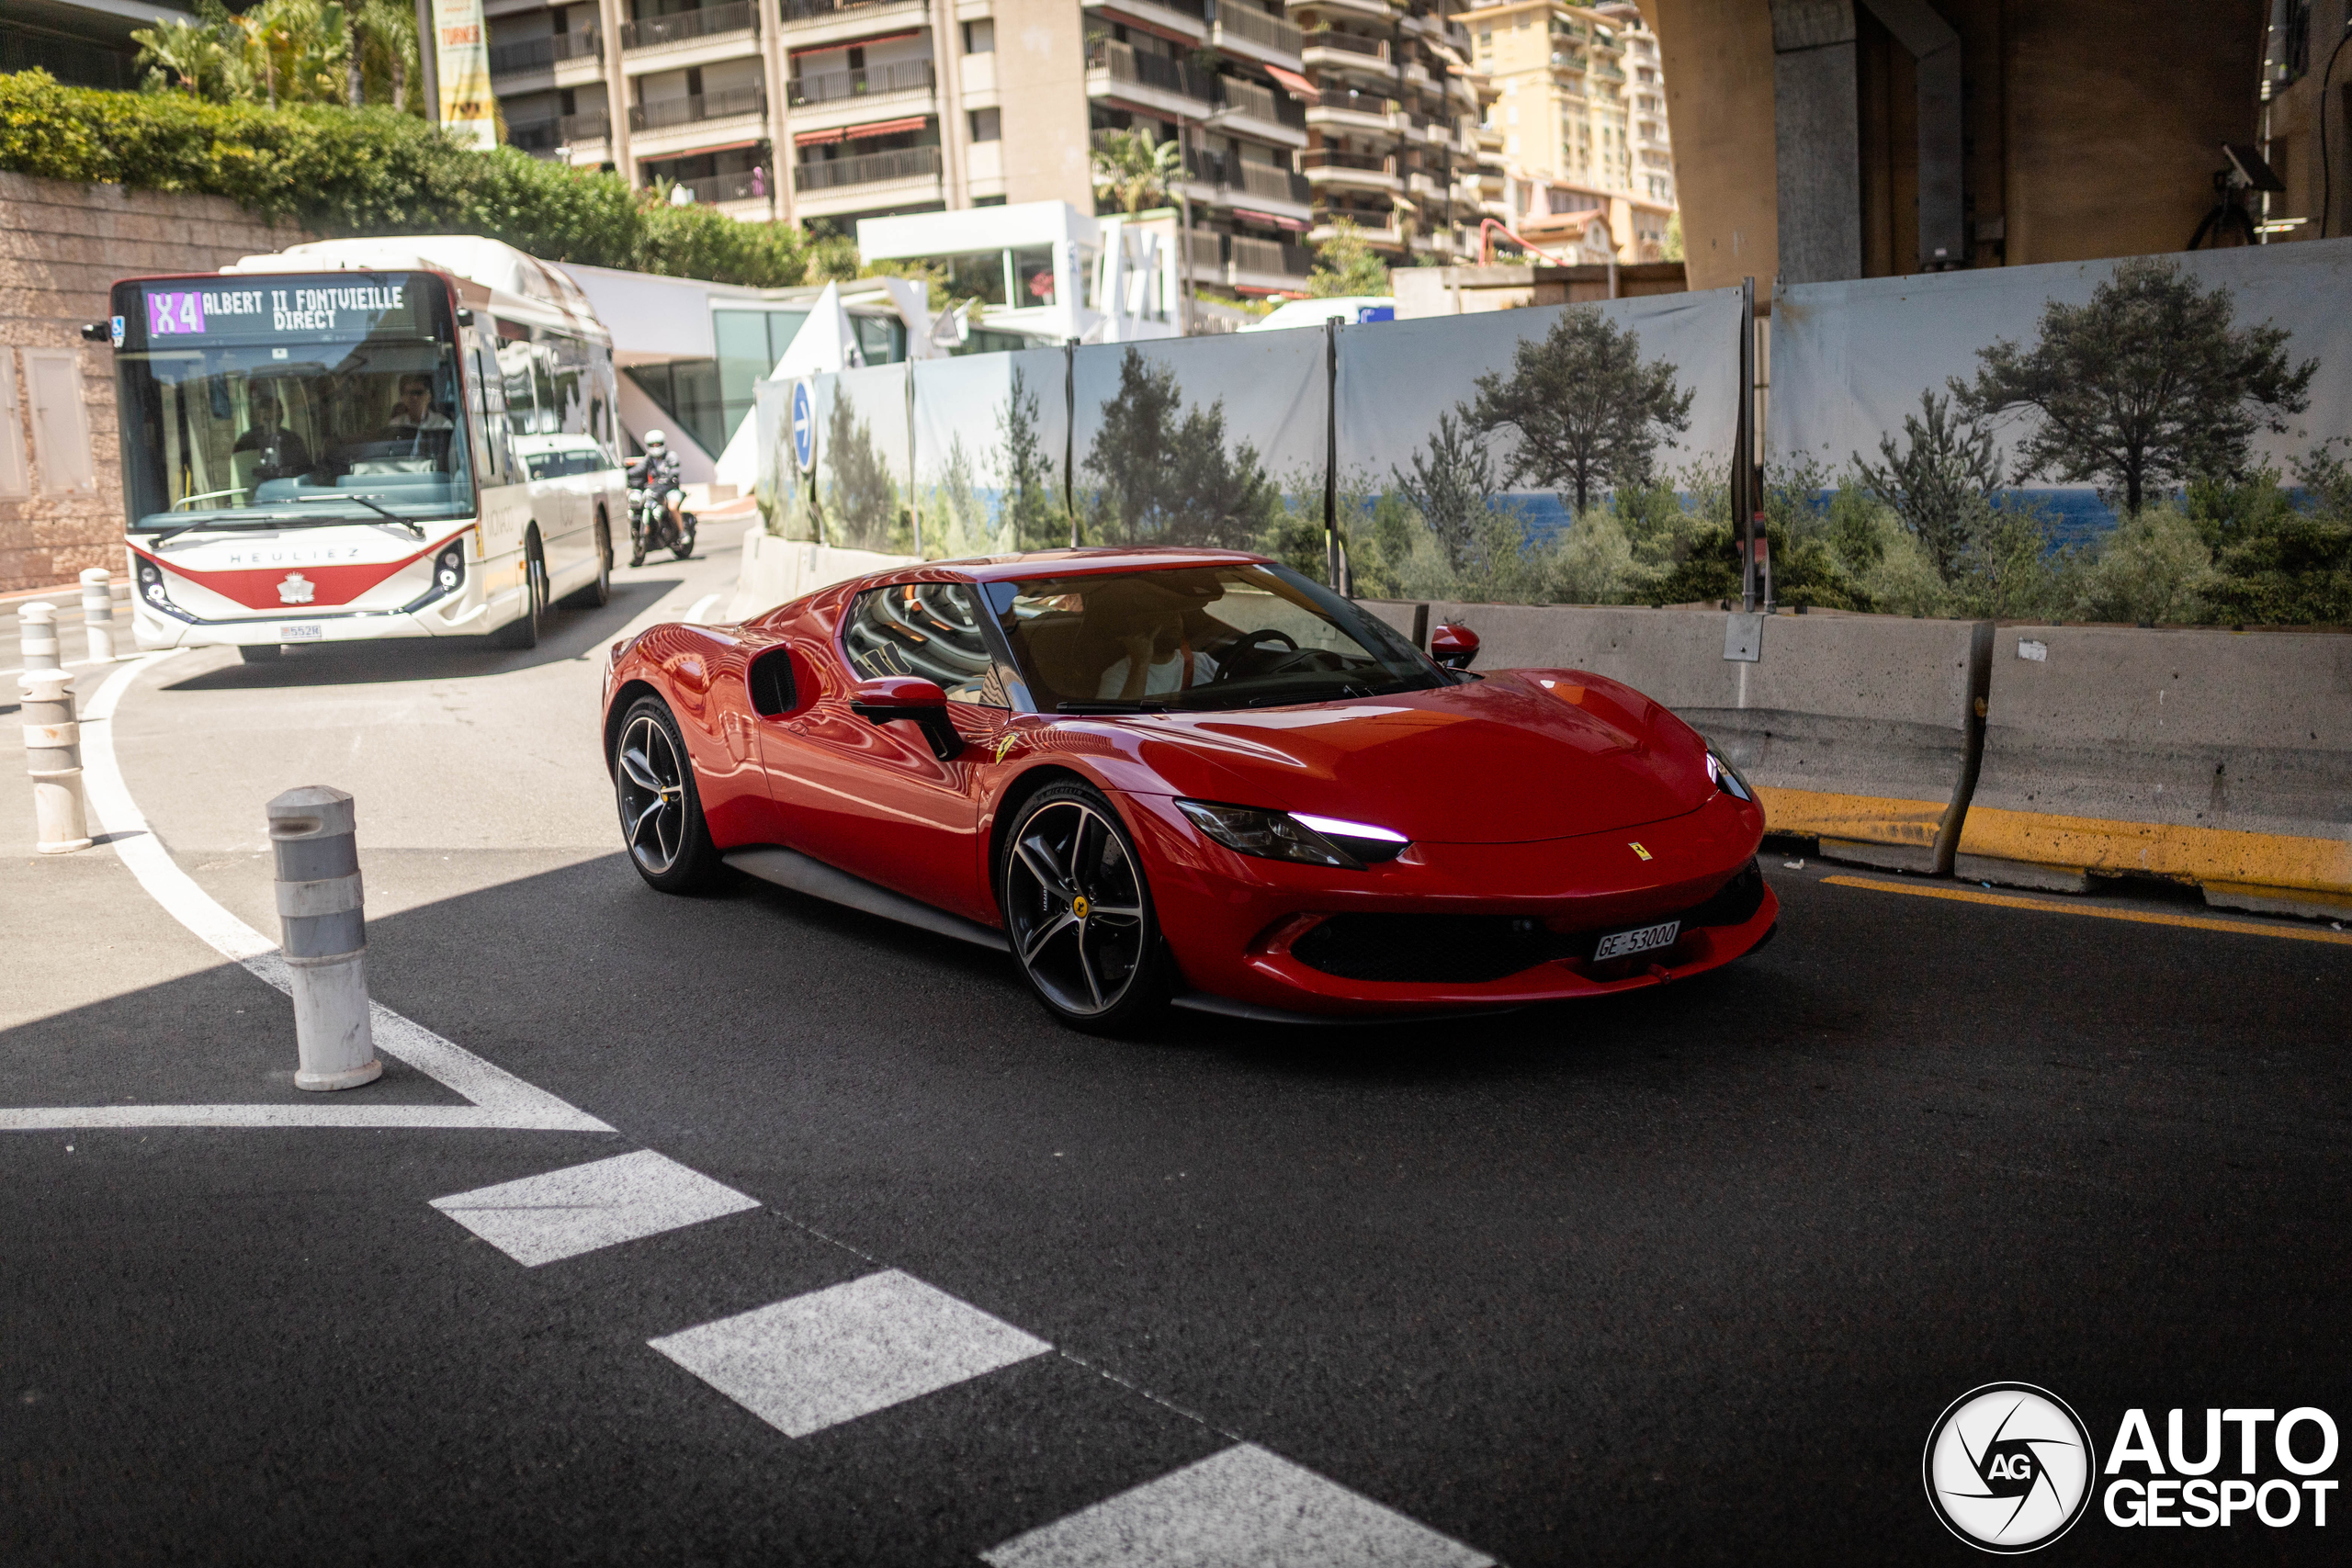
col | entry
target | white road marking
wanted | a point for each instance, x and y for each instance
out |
(701, 607)
(563, 1214)
(835, 1355)
(1236, 1510)
(500, 1099)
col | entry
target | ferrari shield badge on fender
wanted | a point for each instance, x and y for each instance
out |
(1005, 742)
(1638, 849)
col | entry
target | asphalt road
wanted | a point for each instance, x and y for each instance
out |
(1680, 1277)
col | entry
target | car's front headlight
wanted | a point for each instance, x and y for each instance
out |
(1294, 836)
(1726, 778)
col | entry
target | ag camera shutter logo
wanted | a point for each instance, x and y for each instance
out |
(2009, 1467)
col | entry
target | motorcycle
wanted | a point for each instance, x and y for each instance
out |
(650, 527)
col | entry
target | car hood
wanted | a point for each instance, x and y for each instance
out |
(1520, 756)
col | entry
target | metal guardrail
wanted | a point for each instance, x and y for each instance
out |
(680, 26)
(701, 106)
(870, 168)
(834, 86)
(533, 53)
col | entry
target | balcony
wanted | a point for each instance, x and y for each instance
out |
(1183, 18)
(1354, 171)
(1380, 13)
(1253, 35)
(1330, 46)
(871, 168)
(1184, 89)
(700, 107)
(1362, 114)
(535, 135)
(1258, 182)
(544, 53)
(686, 27)
(837, 87)
(715, 190)
(1271, 258)
(842, 10)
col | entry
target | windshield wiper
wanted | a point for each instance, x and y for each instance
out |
(1112, 705)
(409, 524)
(169, 534)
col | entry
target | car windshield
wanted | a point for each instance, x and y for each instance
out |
(277, 417)
(1194, 638)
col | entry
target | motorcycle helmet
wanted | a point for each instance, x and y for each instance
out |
(656, 444)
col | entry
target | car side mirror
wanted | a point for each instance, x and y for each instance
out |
(893, 697)
(1454, 647)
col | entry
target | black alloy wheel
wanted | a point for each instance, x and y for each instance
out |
(598, 594)
(660, 809)
(525, 629)
(1079, 912)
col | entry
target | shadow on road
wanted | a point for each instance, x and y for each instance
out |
(571, 633)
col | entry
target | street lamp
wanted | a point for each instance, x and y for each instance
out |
(1184, 124)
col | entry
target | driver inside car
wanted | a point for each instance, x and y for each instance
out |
(1158, 636)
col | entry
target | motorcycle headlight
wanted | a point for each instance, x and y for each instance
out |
(1293, 836)
(1726, 778)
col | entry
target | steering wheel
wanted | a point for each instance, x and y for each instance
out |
(1243, 656)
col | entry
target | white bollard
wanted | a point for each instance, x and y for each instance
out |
(53, 757)
(98, 613)
(37, 623)
(322, 909)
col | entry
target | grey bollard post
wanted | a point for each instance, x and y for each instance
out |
(98, 613)
(37, 623)
(321, 909)
(53, 757)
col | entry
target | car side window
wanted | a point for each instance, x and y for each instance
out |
(927, 629)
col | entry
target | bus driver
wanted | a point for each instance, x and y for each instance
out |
(282, 453)
(413, 411)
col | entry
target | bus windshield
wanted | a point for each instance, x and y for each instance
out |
(276, 401)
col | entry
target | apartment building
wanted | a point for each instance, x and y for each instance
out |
(1580, 111)
(829, 111)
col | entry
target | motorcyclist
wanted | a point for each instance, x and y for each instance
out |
(657, 474)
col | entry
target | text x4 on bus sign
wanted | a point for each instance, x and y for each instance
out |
(261, 311)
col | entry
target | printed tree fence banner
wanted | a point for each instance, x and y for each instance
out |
(1564, 454)
(2155, 439)
(991, 435)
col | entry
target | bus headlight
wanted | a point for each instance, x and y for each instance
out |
(449, 575)
(152, 589)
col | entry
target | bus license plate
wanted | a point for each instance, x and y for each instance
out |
(1620, 944)
(302, 634)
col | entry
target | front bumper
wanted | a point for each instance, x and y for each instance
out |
(1235, 922)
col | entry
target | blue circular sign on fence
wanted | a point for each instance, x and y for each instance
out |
(804, 424)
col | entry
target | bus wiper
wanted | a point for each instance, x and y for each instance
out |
(1112, 705)
(409, 524)
(168, 535)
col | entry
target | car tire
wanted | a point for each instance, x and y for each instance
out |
(525, 629)
(660, 805)
(1077, 912)
(260, 652)
(600, 593)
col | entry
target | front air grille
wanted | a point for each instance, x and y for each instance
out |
(1471, 949)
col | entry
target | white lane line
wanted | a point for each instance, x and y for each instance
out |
(563, 1214)
(500, 1099)
(69, 1118)
(701, 607)
(835, 1355)
(1242, 1506)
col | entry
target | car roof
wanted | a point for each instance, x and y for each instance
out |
(1074, 563)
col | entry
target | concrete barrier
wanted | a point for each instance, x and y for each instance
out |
(1858, 730)
(2217, 758)
(775, 570)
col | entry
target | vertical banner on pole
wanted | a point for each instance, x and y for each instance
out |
(461, 50)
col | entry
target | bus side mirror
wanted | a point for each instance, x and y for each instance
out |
(465, 315)
(97, 332)
(1454, 647)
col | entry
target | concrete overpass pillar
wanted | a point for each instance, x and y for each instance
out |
(1816, 139)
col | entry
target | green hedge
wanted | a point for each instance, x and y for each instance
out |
(373, 170)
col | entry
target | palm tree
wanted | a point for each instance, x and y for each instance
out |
(190, 51)
(1133, 167)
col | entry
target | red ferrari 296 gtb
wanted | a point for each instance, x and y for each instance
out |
(1188, 775)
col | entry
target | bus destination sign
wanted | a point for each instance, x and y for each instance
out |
(305, 310)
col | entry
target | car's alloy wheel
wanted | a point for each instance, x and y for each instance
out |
(661, 810)
(1078, 911)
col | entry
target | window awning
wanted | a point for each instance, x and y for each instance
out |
(1290, 223)
(1299, 86)
(854, 133)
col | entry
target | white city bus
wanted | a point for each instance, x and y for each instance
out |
(365, 438)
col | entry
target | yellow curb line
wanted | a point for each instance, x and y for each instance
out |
(2006, 901)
